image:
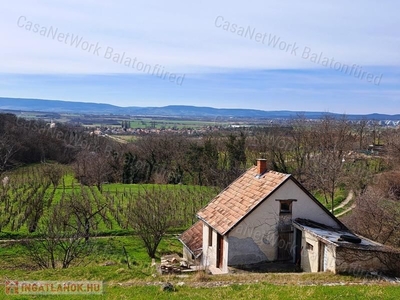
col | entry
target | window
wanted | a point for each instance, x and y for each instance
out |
(285, 206)
(309, 247)
(210, 236)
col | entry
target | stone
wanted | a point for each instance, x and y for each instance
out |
(168, 287)
(109, 263)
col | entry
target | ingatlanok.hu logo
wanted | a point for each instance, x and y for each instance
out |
(16, 287)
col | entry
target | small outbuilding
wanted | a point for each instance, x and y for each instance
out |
(266, 216)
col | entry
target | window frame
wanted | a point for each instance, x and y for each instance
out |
(288, 203)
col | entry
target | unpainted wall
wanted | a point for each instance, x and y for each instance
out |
(312, 255)
(255, 238)
(309, 257)
(358, 262)
(187, 255)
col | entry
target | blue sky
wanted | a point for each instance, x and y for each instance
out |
(273, 55)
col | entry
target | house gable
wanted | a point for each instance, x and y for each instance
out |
(259, 230)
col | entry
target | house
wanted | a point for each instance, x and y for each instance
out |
(267, 216)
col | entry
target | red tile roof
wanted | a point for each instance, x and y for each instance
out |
(239, 198)
(193, 238)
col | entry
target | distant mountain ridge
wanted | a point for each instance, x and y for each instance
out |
(59, 106)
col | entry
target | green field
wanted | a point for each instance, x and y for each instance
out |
(108, 263)
(119, 259)
(245, 291)
(29, 189)
(170, 123)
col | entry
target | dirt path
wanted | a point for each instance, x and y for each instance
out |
(345, 211)
(346, 201)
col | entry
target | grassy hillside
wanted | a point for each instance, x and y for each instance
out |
(30, 196)
(108, 263)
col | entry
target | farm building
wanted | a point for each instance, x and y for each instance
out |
(266, 216)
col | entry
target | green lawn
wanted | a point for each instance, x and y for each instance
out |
(15, 262)
(237, 291)
(340, 196)
(108, 263)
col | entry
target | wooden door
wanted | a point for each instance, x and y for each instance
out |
(285, 246)
(299, 238)
(220, 251)
(323, 257)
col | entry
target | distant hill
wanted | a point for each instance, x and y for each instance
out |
(55, 106)
(58, 106)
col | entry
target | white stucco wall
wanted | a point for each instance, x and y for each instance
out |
(209, 257)
(255, 238)
(313, 260)
(309, 258)
(304, 207)
(209, 253)
(225, 255)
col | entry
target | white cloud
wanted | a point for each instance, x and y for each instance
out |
(182, 36)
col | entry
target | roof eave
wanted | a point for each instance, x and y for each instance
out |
(190, 250)
(314, 234)
(342, 226)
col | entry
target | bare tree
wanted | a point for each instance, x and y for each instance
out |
(391, 259)
(87, 209)
(361, 127)
(8, 208)
(151, 213)
(202, 162)
(358, 174)
(60, 243)
(392, 141)
(161, 158)
(92, 168)
(8, 148)
(36, 204)
(332, 140)
(54, 172)
(300, 146)
(377, 217)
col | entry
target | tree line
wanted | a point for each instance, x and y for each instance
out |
(323, 155)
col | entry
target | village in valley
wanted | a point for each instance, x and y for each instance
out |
(172, 209)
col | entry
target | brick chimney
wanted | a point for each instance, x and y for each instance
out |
(261, 166)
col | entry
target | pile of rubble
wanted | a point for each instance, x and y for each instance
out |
(173, 264)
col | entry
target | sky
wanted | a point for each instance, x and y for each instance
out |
(331, 56)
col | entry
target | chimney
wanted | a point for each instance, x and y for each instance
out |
(261, 166)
